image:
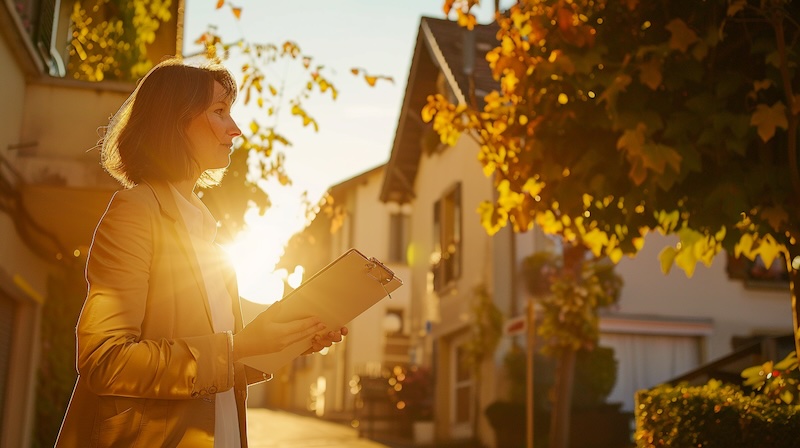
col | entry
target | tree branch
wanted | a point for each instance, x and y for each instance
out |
(791, 142)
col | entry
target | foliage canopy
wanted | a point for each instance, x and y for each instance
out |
(614, 119)
(618, 117)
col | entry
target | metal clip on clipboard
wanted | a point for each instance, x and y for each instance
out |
(384, 276)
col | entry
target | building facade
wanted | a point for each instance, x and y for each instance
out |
(52, 193)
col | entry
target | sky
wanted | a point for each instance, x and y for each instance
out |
(356, 130)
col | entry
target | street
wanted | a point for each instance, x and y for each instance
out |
(269, 428)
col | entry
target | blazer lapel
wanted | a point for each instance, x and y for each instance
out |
(169, 208)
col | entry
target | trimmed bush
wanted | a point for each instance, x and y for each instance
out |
(714, 415)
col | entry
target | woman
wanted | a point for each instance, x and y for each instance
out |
(160, 334)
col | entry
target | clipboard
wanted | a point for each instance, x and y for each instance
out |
(336, 294)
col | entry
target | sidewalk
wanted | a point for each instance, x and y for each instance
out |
(269, 428)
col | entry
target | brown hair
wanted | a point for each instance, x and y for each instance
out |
(146, 138)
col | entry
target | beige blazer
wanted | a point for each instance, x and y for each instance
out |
(148, 359)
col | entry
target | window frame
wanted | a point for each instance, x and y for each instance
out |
(447, 233)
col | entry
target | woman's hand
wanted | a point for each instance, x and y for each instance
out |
(264, 335)
(321, 341)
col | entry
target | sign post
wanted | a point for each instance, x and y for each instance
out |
(531, 350)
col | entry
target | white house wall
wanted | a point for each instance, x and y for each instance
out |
(18, 265)
(450, 314)
(733, 309)
(369, 232)
(63, 119)
(437, 173)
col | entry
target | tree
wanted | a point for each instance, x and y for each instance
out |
(615, 119)
(570, 288)
(110, 40)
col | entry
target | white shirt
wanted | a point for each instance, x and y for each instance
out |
(202, 228)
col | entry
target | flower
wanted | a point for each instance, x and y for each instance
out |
(413, 392)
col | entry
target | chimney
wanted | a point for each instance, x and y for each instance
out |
(469, 64)
(469, 51)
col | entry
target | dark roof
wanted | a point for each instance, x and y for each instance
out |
(451, 40)
(440, 48)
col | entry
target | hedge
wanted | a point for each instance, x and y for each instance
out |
(714, 415)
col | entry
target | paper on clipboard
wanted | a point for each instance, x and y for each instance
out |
(336, 294)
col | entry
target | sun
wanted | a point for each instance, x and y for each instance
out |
(258, 248)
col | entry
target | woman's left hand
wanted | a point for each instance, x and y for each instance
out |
(321, 341)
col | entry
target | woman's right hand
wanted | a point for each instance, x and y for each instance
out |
(265, 335)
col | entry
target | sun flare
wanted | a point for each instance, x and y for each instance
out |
(258, 248)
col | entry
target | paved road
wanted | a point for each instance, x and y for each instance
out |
(278, 429)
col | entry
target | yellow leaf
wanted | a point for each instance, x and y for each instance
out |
(667, 257)
(595, 240)
(428, 112)
(766, 119)
(370, 80)
(744, 247)
(615, 255)
(667, 221)
(686, 260)
(507, 198)
(638, 243)
(237, 12)
(466, 19)
(632, 139)
(220, 3)
(682, 36)
(650, 73)
(254, 126)
(492, 218)
(769, 249)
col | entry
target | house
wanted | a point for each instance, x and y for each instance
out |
(353, 217)
(662, 326)
(52, 192)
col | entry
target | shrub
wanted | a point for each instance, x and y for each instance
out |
(714, 415)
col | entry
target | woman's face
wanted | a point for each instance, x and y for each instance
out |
(212, 132)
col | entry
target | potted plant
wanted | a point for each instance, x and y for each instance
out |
(414, 397)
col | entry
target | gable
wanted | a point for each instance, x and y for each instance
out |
(446, 57)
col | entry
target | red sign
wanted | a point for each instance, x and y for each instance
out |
(515, 325)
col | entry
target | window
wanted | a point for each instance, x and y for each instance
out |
(39, 20)
(446, 257)
(756, 275)
(398, 237)
(462, 386)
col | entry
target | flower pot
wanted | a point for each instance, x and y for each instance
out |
(423, 432)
